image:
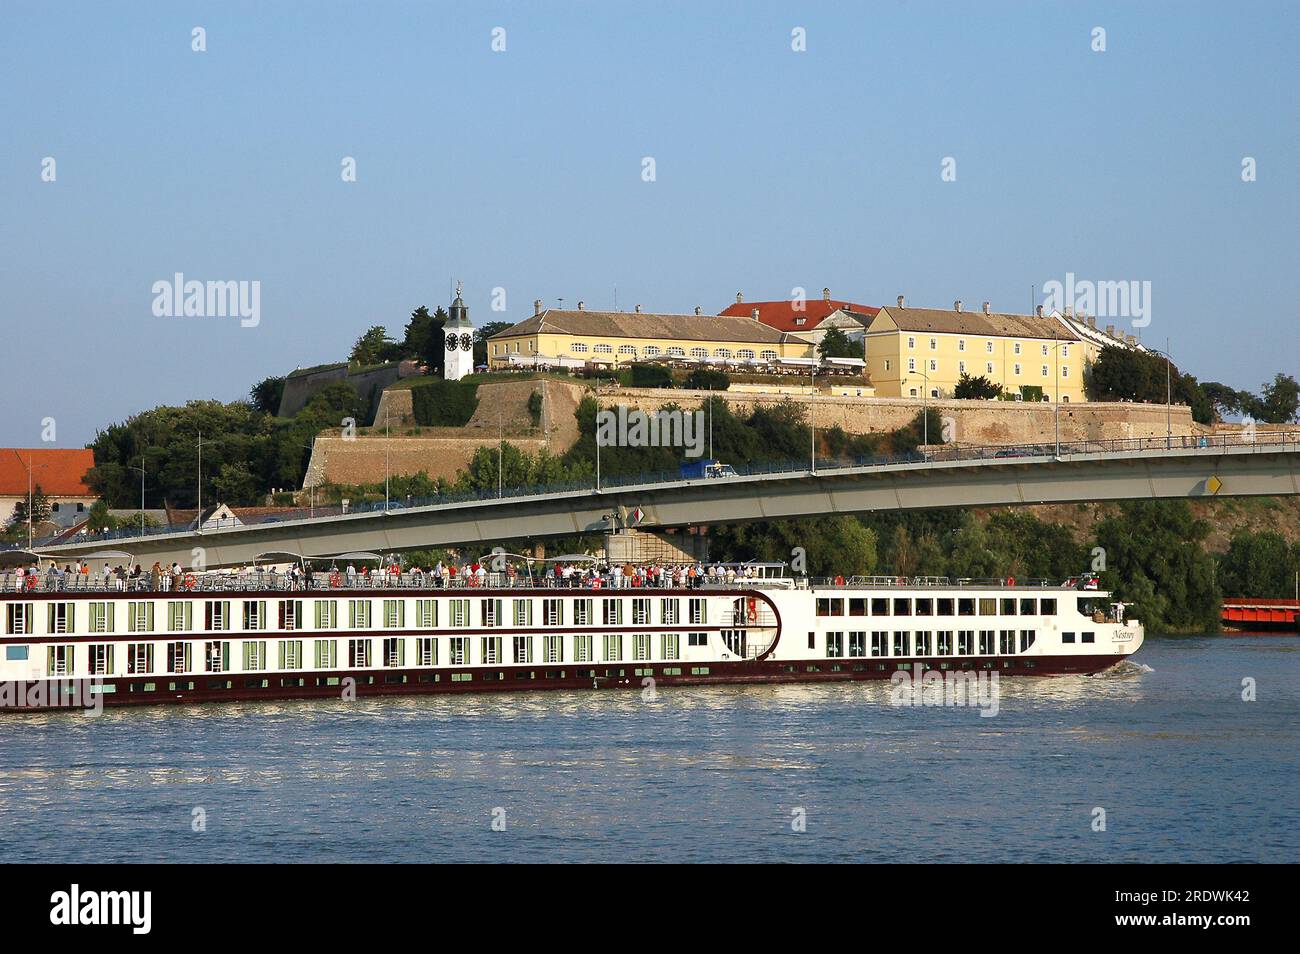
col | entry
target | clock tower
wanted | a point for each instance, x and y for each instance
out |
(458, 341)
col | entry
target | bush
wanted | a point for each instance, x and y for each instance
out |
(707, 379)
(651, 376)
(441, 403)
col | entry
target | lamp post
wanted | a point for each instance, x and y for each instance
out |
(30, 467)
(141, 470)
(812, 419)
(198, 523)
(1169, 411)
(387, 451)
(596, 434)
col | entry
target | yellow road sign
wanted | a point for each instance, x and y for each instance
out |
(1213, 484)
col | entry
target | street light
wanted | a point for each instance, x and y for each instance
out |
(30, 467)
(1169, 410)
(812, 418)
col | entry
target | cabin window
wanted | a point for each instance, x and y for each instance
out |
(254, 654)
(879, 643)
(139, 617)
(327, 653)
(614, 646)
(669, 611)
(178, 657)
(965, 642)
(216, 656)
(857, 644)
(394, 651)
(944, 606)
(523, 612)
(552, 612)
(641, 611)
(62, 618)
(359, 614)
(1008, 607)
(459, 613)
(1086, 637)
(291, 654)
(254, 614)
(16, 653)
(1047, 607)
(925, 607)
(394, 614)
(359, 652)
(1028, 606)
(698, 612)
(612, 613)
(988, 606)
(523, 650)
(180, 616)
(923, 646)
(901, 643)
(1067, 637)
(492, 615)
(139, 658)
(458, 650)
(327, 614)
(902, 606)
(966, 606)
(1007, 641)
(857, 606)
(491, 651)
(290, 614)
(670, 646)
(641, 647)
(700, 639)
(582, 648)
(101, 618)
(834, 644)
(582, 612)
(945, 642)
(426, 651)
(101, 659)
(17, 619)
(216, 614)
(553, 648)
(879, 606)
(1026, 639)
(59, 660)
(426, 614)
(986, 642)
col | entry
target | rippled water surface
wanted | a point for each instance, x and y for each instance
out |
(1184, 769)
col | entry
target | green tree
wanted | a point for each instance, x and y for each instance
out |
(265, 395)
(975, 388)
(40, 509)
(482, 334)
(1278, 402)
(1259, 565)
(707, 379)
(373, 347)
(836, 344)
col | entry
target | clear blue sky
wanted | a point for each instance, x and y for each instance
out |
(522, 170)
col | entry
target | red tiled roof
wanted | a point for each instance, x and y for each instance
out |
(783, 316)
(59, 473)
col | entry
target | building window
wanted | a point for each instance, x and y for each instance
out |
(578, 348)
(834, 644)
(722, 352)
(988, 367)
(1065, 372)
(641, 612)
(1016, 348)
(911, 343)
(961, 367)
(676, 353)
(699, 352)
(613, 612)
(934, 365)
(491, 650)
(291, 614)
(602, 349)
(523, 612)
(934, 344)
(650, 351)
(767, 355)
(1016, 367)
(139, 658)
(627, 349)
(669, 611)
(888, 363)
(582, 612)
(744, 354)
(1044, 351)
(180, 616)
(1065, 351)
(961, 344)
(1045, 372)
(988, 347)
(911, 364)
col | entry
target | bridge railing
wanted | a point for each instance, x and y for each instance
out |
(994, 453)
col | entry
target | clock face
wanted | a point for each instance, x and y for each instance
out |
(451, 342)
(466, 342)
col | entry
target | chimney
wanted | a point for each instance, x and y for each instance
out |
(1038, 310)
(638, 309)
(986, 307)
(580, 304)
(826, 294)
(754, 314)
(956, 306)
(1069, 311)
(697, 309)
(537, 306)
(1092, 321)
(900, 301)
(739, 298)
(1110, 331)
(1131, 340)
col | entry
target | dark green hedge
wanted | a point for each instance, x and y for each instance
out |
(444, 403)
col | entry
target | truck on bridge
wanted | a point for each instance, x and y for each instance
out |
(695, 469)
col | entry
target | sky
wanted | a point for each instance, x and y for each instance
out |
(524, 170)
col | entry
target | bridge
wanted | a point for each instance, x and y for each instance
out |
(1250, 613)
(947, 477)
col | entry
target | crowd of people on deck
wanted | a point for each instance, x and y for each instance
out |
(570, 574)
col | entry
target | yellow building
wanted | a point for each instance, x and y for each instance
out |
(914, 351)
(574, 338)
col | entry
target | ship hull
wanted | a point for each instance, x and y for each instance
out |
(240, 687)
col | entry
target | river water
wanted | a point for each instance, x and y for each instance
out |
(1183, 768)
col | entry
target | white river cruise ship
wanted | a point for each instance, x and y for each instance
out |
(262, 635)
